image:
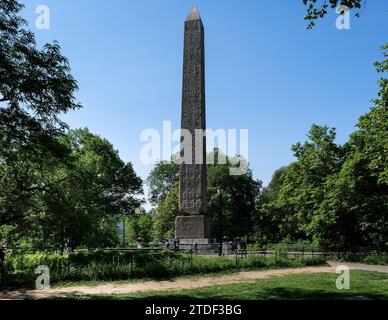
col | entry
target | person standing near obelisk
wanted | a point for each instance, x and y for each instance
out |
(193, 222)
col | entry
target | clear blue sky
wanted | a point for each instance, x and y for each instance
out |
(265, 71)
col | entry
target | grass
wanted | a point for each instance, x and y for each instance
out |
(366, 284)
(94, 267)
(197, 276)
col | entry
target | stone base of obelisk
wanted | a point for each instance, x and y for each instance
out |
(192, 227)
(194, 234)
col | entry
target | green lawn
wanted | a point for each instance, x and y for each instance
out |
(372, 285)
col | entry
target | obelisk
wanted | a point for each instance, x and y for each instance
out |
(193, 222)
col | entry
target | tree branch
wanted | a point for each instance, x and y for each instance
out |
(45, 188)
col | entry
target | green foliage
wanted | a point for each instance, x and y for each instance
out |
(163, 227)
(355, 210)
(233, 196)
(267, 224)
(55, 184)
(122, 265)
(81, 200)
(139, 226)
(296, 246)
(318, 9)
(300, 188)
(35, 88)
(334, 196)
(362, 257)
(20, 268)
(161, 180)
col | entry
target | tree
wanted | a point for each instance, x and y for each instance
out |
(267, 222)
(355, 211)
(35, 85)
(93, 193)
(271, 191)
(318, 9)
(100, 188)
(336, 195)
(304, 190)
(35, 88)
(164, 220)
(161, 179)
(140, 227)
(301, 189)
(238, 201)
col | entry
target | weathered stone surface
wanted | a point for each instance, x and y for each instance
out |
(193, 223)
(199, 241)
(192, 227)
(193, 14)
(192, 178)
(205, 246)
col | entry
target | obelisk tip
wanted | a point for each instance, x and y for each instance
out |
(194, 14)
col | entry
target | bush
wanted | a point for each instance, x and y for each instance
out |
(20, 268)
(295, 246)
(100, 265)
(369, 258)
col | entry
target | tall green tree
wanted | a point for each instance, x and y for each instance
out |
(140, 226)
(163, 227)
(161, 179)
(336, 195)
(300, 189)
(355, 211)
(231, 198)
(93, 193)
(35, 88)
(268, 220)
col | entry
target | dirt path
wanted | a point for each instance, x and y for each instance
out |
(178, 284)
(361, 266)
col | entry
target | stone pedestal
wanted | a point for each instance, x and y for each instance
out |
(192, 227)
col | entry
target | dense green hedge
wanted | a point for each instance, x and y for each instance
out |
(119, 265)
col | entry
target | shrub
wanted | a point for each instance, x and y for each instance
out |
(369, 258)
(20, 268)
(121, 265)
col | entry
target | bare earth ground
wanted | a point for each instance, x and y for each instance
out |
(178, 284)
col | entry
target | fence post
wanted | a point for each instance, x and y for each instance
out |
(191, 260)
